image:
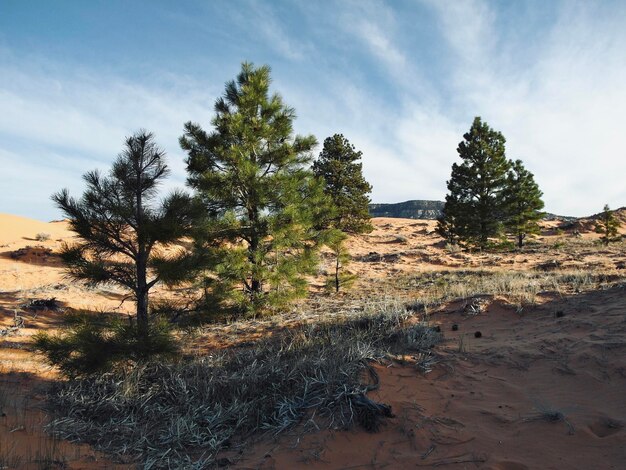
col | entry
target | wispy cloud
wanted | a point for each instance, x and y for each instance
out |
(61, 126)
(558, 96)
(275, 36)
(562, 114)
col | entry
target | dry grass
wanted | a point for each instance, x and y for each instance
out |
(520, 288)
(315, 368)
(182, 415)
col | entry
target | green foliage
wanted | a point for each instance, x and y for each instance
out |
(474, 205)
(121, 227)
(338, 165)
(607, 225)
(501, 245)
(97, 344)
(261, 198)
(523, 204)
(488, 193)
(445, 229)
(336, 242)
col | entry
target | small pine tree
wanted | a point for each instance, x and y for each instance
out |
(260, 194)
(338, 165)
(522, 198)
(474, 207)
(122, 228)
(607, 225)
(336, 242)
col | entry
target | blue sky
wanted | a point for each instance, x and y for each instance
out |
(402, 80)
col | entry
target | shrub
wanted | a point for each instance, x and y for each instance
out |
(42, 237)
(96, 345)
(453, 248)
(501, 245)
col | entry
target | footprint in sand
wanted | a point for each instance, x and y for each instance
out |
(605, 427)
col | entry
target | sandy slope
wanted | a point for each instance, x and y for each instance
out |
(15, 229)
(536, 391)
(478, 408)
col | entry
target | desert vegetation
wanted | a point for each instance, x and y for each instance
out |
(267, 303)
(184, 414)
(607, 225)
(489, 195)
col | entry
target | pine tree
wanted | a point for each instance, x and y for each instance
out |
(607, 225)
(122, 228)
(340, 168)
(336, 242)
(260, 194)
(522, 198)
(474, 207)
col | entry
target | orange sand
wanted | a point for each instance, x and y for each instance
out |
(478, 408)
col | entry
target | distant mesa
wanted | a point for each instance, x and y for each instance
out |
(430, 210)
(408, 210)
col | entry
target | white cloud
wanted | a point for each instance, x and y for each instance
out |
(563, 113)
(380, 45)
(60, 127)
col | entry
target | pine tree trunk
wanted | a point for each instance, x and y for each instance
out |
(142, 306)
(520, 239)
(256, 286)
(337, 274)
(483, 235)
(141, 261)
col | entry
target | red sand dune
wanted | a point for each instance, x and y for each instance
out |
(544, 389)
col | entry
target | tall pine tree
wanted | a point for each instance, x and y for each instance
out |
(261, 197)
(340, 168)
(122, 227)
(474, 207)
(607, 225)
(522, 198)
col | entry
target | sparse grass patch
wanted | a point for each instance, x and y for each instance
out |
(520, 287)
(549, 414)
(182, 415)
(42, 237)
(453, 248)
(400, 239)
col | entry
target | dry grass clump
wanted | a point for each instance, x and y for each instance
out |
(42, 237)
(182, 415)
(520, 287)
